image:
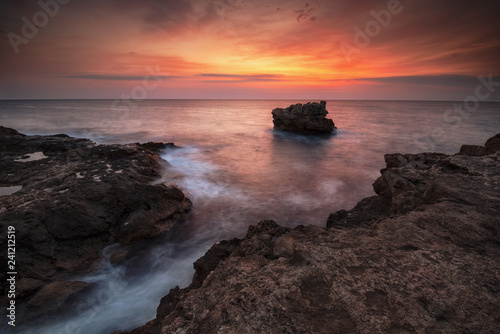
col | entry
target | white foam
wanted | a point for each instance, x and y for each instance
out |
(200, 179)
(116, 301)
(325, 192)
(330, 187)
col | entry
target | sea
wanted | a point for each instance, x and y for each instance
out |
(238, 171)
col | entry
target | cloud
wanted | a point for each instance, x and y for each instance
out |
(116, 77)
(168, 14)
(429, 80)
(242, 77)
(115, 40)
(307, 11)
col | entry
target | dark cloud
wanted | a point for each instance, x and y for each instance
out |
(218, 75)
(116, 77)
(168, 14)
(155, 14)
(242, 77)
(13, 11)
(430, 80)
(307, 11)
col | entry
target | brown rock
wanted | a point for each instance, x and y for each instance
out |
(306, 118)
(55, 297)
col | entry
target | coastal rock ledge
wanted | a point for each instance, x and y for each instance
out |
(309, 118)
(423, 256)
(69, 198)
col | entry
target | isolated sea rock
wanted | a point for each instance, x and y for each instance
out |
(423, 256)
(77, 197)
(309, 118)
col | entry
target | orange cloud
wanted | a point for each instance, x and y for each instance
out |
(99, 47)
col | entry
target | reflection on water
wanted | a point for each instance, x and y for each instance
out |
(237, 171)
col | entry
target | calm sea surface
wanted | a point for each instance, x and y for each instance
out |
(238, 171)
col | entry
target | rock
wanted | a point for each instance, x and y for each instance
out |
(28, 286)
(211, 259)
(9, 139)
(491, 146)
(423, 256)
(119, 256)
(306, 118)
(77, 198)
(472, 150)
(156, 147)
(8, 132)
(59, 297)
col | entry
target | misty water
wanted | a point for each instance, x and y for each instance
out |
(238, 171)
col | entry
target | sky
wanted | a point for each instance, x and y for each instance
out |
(250, 49)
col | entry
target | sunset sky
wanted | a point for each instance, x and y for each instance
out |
(243, 49)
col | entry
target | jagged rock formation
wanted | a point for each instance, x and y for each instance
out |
(421, 257)
(306, 118)
(76, 198)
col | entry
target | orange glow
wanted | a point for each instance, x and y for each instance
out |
(259, 46)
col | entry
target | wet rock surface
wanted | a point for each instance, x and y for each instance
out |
(77, 197)
(309, 118)
(423, 256)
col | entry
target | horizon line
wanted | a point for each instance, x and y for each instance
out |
(246, 99)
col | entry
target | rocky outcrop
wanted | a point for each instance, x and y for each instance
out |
(491, 146)
(77, 197)
(423, 256)
(309, 118)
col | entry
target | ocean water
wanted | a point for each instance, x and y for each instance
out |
(237, 170)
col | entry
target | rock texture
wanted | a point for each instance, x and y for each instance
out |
(77, 197)
(423, 256)
(306, 118)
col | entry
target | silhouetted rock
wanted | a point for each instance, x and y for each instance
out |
(491, 146)
(156, 147)
(306, 118)
(421, 257)
(77, 197)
